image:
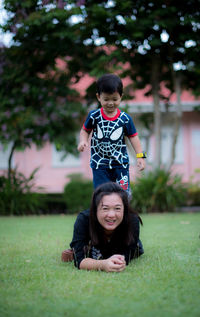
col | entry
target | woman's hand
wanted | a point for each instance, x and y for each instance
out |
(116, 263)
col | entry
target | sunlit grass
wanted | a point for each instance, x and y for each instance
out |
(163, 282)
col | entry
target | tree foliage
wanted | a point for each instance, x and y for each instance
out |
(38, 70)
(144, 40)
(155, 43)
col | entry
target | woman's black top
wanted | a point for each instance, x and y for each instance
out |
(82, 247)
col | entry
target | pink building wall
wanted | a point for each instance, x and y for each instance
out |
(53, 178)
(191, 137)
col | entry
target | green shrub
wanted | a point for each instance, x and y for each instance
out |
(52, 203)
(158, 191)
(193, 196)
(78, 194)
(16, 196)
(193, 191)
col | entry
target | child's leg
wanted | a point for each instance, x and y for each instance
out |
(122, 178)
(101, 176)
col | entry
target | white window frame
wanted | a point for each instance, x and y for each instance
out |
(68, 162)
(195, 135)
(166, 145)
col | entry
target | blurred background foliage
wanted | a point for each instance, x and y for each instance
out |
(155, 191)
(158, 190)
(55, 43)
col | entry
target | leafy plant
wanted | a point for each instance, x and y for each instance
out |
(77, 194)
(158, 191)
(52, 203)
(17, 196)
(193, 191)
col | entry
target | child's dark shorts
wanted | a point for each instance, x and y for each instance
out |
(118, 175)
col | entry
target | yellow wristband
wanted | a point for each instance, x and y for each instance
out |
(141, 155)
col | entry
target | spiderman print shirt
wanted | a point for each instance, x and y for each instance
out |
(108, 147)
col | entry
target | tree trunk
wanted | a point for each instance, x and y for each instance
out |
(177, 118)
(157, 113)
(10, 160)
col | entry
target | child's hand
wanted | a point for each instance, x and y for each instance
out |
(140, 164)
(82, 145)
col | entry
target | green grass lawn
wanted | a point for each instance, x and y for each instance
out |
(165, 281)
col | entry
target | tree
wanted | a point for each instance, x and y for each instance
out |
(38, 70)
(118, 36)
(134, 33)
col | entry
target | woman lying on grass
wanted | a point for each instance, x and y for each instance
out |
(106, 237)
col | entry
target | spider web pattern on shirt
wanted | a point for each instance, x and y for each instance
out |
(107, 143)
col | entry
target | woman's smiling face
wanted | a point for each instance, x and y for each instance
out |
(110, 212)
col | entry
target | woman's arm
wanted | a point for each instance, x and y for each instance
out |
(115, 263)
(80, 238)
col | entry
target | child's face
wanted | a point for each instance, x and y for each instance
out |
(109, 102)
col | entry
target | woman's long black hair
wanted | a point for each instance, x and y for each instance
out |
(123, 233)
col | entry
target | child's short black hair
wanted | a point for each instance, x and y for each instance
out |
(109, 83)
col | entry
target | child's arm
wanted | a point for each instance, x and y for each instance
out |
(135, 142)
(83, 143)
